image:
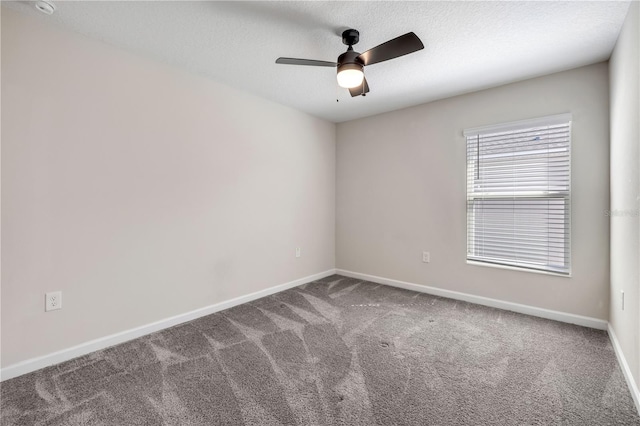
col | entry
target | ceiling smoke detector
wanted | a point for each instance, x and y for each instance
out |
(46, 6)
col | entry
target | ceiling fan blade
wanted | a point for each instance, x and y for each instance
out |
(395, 48)
(360, 90)
(312, 62)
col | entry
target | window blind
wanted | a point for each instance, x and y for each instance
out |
(519, 194)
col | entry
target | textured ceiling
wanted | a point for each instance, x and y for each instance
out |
(468, 45)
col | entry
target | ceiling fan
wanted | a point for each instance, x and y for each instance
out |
(350, 65)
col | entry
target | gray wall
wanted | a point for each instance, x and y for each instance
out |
(143, 192)
(624, 72)
(401, 190)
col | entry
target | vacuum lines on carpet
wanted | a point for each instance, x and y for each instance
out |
(338, 351)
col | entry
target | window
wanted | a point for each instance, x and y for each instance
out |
(519, 194)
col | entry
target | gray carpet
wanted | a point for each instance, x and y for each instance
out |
(338, 351)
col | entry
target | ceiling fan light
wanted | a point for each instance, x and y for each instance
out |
(350, 75)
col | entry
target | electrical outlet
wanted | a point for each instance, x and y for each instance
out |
(622, 299)
(426, 257)
(53, 301)
(298, 252)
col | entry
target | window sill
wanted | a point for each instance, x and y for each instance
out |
(515, 268)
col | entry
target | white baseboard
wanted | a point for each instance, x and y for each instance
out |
(631, 383)
(494, 303)
(34, 364)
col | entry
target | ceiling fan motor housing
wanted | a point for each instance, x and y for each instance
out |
(350, 60)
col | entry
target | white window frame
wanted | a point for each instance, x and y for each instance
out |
(552, 120)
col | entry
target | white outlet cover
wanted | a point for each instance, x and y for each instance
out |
(298, 252)
(53, 301)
